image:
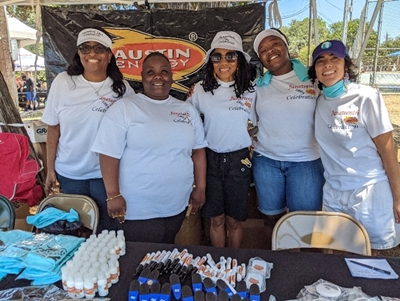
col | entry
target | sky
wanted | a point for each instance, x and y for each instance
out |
(331, 11)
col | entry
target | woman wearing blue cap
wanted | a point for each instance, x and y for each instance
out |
(354, 133)
(287, 168)
(76, 104)
(226, 99)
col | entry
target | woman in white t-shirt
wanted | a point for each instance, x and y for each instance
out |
(287, 168)
(226, 98)
(151, 150)
(76, 103)
(354, 133)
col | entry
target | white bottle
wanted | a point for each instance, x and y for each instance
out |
(113, 272)
(116, 263)
(121, 246)
(102, 284)
(106, 269)
(64, 275)
(71, 285)
(79, 293)
(88, 286)
(93, 274)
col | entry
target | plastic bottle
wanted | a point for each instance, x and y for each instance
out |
(64, 275)
(121, 246)
(94, 280)
(79, 293)
(71, 285)
(102, 284)
(113, 268)
(106, 270)
(88, 286)
(116, 263)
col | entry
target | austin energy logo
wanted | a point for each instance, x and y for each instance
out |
(130, 48)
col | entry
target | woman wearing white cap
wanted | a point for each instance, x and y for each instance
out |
(287, 168)
(76, 104)
(226, 99)
(354, 133)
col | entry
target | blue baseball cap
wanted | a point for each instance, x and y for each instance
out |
(331, 46)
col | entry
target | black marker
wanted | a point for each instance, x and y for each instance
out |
(370, 267)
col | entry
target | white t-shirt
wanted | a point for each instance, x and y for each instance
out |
(73, 104)
(345, 127)
(285, 109)
(225, 116)
(154, 140)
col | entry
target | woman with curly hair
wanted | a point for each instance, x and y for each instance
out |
(226, 99)
(354, 133)
(76, 104)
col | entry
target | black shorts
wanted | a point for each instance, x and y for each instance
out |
(228, 182)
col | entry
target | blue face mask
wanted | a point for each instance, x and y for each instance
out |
(336, 90)
(298, 67)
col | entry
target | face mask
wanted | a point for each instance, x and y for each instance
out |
(336, 90)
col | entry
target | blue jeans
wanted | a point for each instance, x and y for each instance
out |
(95, 189)
(283, 185)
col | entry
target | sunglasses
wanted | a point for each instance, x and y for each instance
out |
(98, 49)
(230, 57)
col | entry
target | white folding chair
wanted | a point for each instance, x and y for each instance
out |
(322, 230)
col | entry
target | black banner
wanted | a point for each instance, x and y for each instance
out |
(183, 36)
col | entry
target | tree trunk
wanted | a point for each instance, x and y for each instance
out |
(6, 63)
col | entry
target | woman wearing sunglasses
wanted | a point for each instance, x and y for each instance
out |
(76, 104)
(354, 133)
(287, 168)
(226, 99)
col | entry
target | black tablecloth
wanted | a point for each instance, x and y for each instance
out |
(291, 272)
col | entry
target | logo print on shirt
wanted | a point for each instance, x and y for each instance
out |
(350, 119)
(107, 103)
(243, 104)
(183, 117)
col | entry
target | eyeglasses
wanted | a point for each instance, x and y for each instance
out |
(230, 57)
(98, 49)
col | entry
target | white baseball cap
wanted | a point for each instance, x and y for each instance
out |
(266, 33)
(227, 40)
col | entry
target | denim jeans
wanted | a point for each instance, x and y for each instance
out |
(283, 185)
(93, 188)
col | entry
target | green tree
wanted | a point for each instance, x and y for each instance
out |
(336, 30)
(297, 34)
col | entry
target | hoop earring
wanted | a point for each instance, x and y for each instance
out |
(346, 80)
(215, 75)
(316, 83)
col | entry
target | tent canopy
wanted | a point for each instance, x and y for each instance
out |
(26, 61)
(397, 53)
(17, 30)
(80, 2)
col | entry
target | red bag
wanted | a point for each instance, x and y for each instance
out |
(17, 171)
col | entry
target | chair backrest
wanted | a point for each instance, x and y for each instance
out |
(322, 230)
(7, 214)
(84, 205)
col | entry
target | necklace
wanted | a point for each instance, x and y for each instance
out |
(97, 90)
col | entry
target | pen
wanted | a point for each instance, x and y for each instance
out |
(370, 267)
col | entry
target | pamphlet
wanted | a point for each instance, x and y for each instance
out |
(371, 268)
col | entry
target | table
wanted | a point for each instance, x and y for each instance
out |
(41, 97)
(291, 272)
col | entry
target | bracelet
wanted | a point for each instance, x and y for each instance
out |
(114, 197)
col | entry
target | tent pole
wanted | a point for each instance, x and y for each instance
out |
(371, 25)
